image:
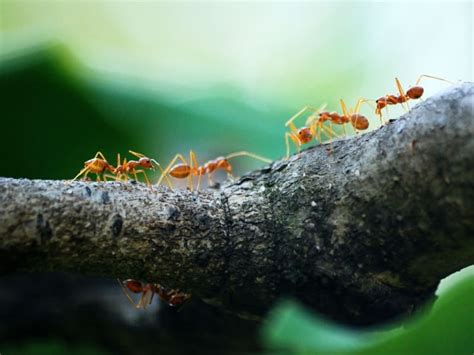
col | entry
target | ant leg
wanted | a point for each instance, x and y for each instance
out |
(145, 176)
(116, 173)
(152, 295)
(344, 108)
(231, 177)
(209, 180)
(86, 169)
(134, 172)
(126, 294)
(331, 130)
(402, 94)
(315, 130)
(109, 177)
(295, 141)
(368, 102)
(290, 123)
(170, 185)
(138, 155)
(330, 137)
(314, 116)
(170, 165)
(359, 102)
(100, 155)
(124, 174)
(199, 182)
(194, 169)
(386, 111)
(146, 298)
(346, 114)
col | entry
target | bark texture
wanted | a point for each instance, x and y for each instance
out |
(361, 235)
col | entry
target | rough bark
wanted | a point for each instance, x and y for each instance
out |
(362, 235)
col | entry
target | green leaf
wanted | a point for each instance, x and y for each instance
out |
(448, 328)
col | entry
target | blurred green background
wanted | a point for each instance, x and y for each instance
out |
(163, 77)
(216, 77)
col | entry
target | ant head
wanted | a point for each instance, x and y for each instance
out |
(133, 285)
(415, 92)
(145, 162)
(304, 135)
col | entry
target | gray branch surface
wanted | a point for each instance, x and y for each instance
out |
(362, 235)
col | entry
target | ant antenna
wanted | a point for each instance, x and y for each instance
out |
(245, 153)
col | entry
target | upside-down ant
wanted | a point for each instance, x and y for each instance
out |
(173, 298)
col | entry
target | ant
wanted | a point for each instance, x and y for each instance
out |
(123, 170)
(173, 298)
(188, 170)
(97, 165)
(306, 133)
(413, 93)
(314, 124)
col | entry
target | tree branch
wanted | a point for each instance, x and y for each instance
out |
(362, 235)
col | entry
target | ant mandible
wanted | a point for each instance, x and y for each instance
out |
(188, 170)
(173, 298)
(413, 93)
(97, 165)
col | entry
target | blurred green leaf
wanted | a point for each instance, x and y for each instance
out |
(51, 347)
(447, 328)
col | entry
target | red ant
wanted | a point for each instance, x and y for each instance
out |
(314, 124)
(97, 165)
(123, 170)
(188, 170)
(413, 93)
(173, 298)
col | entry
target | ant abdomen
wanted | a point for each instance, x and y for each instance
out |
(359, 121)
(415, 92)
(180, 171)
